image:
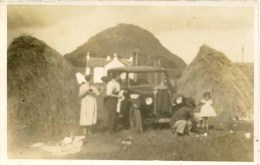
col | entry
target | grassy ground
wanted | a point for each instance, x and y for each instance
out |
(157, 144)
(154, 144)
(161, 145)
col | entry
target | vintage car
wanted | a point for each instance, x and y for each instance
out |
(154, 91)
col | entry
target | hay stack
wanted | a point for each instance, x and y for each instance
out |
(212, 71)
(42, 90)
(248, 70)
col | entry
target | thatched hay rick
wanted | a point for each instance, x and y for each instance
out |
(231, 90)
(42, 90)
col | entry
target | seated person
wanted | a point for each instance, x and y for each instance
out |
(182, 120)
(178, 102)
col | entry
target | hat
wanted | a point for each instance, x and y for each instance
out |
(114, 74)
(105, 79)
(80, 78)
(89, 76)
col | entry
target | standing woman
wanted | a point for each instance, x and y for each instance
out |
(112, 90)
(88, 111)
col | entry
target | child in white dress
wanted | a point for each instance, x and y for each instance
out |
(206, 111)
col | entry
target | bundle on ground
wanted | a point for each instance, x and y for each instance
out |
(211, 71)
(42, 90)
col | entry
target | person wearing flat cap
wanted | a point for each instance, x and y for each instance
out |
(88, 110)
(111, 101)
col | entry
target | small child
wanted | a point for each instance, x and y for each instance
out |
(206, 111)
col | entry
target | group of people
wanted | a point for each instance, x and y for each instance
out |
(183, 119)
(88, 110)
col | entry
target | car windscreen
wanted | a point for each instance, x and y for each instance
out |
(143, 79)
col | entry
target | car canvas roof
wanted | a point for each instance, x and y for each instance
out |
(137, 69)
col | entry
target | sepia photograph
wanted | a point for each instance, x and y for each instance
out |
(144, 81)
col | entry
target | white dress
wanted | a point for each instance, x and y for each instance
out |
(207, 110)
(88, 110)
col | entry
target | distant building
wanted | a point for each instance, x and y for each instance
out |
(100, 66)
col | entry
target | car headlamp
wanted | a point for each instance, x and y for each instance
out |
(148, 100)
(134, 96)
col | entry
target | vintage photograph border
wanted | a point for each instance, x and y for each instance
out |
(3, 75)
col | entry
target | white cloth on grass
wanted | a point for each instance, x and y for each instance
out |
(67, 146)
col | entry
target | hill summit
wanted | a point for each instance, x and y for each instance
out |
(125, 40)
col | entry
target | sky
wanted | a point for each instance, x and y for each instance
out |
(181, 29)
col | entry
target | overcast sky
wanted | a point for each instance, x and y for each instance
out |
(180, 29)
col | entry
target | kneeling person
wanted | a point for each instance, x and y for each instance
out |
(181, 121)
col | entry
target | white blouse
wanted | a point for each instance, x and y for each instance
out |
(112, 87)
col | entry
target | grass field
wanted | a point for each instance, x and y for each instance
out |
(154, 144)
(157, 144)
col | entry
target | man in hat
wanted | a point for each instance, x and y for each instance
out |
(112, 90)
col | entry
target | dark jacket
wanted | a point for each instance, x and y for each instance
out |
(176, 107)
(184, 113)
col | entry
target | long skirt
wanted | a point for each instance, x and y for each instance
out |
(88, 111)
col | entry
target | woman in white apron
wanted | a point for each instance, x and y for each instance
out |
(88, 110)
